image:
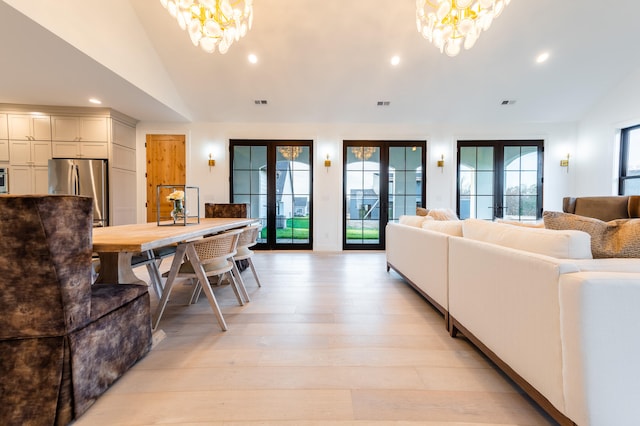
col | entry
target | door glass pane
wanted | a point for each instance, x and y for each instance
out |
(520, 183)
(405, 181)
(362, 187)
(293, 194)
(476, 183)
(250, 182)
(633, 154)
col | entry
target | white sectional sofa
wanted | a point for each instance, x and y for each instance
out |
(563, 326)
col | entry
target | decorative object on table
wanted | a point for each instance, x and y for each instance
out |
(182, 199)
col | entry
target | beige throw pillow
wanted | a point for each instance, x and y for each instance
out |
(617, 238)
(442, 214)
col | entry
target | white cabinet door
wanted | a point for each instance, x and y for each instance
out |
(64, 128)
(28, 180)
(4, 150)
(123, 196)
(40, 152)
(93, 129)
(29, 127)
(23, 153)
(20, 152)
(4, 127)
(123, 134)
(40, 180)
(20, 181)
(80, 150)
(78, 129)
(94, 150)
(65, 149)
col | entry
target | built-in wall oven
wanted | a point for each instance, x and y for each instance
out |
(4, 180)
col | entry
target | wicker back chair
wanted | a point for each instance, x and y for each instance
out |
(248, 238)
(210, 256)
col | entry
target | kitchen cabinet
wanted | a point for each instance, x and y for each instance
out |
(28, 166)
(28, 180)
(29, 153)
(80, 150)
(80, 137)
(122, 172)
(28, 140)
(79, 129)
(4, 138)
(29, 127)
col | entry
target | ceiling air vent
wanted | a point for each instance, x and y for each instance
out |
(508, 102)
(260, 102)
(384, 103)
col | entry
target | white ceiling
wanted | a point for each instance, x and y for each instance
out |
(326, 61)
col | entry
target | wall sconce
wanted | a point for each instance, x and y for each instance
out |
(565, 163)
(212, 162)
(327, 162)
(440, 163)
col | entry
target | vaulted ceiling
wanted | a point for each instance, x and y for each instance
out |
(318, 62)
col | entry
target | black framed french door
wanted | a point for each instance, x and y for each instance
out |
(275, 178)
(500, 179)
(382, 181)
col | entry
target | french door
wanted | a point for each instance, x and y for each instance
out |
(275, 179)
(382, 181)
(500, 179)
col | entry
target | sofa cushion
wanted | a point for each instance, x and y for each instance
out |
(616, 238)
(567, 244)
(421, 211)
(536, 224)
(450, 227)
(411, 220)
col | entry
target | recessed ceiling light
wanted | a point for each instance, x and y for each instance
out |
(542, 57)
(253, 58)
(395, 60)
(95, 101)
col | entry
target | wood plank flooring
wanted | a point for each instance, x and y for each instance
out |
(329, 339)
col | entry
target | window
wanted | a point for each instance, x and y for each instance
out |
(629, 183)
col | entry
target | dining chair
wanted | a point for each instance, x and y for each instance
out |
(247, 239)
(206, 257)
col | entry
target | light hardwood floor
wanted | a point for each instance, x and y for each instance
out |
(329, 339)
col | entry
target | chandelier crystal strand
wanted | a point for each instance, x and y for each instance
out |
(453, 24)
(363, 152)
(212, 23)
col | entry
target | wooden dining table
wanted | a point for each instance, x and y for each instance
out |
(116, 246)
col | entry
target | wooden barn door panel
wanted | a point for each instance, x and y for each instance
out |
(166, 165)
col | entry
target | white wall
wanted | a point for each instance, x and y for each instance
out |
(205, 138)
(597, 156)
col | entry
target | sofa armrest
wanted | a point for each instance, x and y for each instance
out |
(601, 350)
(421, 256)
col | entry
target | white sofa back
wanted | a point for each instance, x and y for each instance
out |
(567, 244)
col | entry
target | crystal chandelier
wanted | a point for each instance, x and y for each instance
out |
(212, 23)
(363, 152)
(452, 24)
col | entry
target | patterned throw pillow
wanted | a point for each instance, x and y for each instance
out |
(617, 238)
(421, 211)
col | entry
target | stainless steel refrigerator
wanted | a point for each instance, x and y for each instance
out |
(82, 177)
